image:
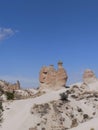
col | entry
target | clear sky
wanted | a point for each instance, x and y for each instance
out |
(34, 33)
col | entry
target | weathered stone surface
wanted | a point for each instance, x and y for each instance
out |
(89, 76)
(51, 78)
(47, 75)
(62, 115)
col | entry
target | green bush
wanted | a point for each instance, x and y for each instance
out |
(1, 91)
(64, 96)
(92, 129)
(1, 109)
(10, 95)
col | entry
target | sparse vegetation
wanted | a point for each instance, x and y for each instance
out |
(85, 116)
(74, 123)
(1, 91)
(92, 129)
(64, 97)
(10, 95)
(42, 109)
(1, 109)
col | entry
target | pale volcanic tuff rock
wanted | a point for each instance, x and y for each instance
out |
(53, 79)
(51, 112)
(6, 86)
(47, 75)
(89, 76)
(63, 114)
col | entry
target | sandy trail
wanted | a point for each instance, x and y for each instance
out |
(18, 116)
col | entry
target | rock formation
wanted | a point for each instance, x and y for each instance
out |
(8, 86)
(81, 106)
(89, 76)
(51, 78)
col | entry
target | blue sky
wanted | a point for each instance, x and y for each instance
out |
(34, 33)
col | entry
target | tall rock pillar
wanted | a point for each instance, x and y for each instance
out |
(61, 76)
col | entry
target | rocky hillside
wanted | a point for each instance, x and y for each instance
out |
(8, 89)
(53, 109)
(80, 105)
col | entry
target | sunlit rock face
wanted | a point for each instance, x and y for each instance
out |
(89, 76)
(51, 78)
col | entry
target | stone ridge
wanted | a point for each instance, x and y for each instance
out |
(51, 78)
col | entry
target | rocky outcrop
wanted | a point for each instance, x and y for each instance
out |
(53, 79)
(77, 105)
(25, 93)
(6, 86)
(66, 114)
(89, 76)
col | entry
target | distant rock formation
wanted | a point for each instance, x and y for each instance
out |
(89, 76)
(51, 78)
(6, 86)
